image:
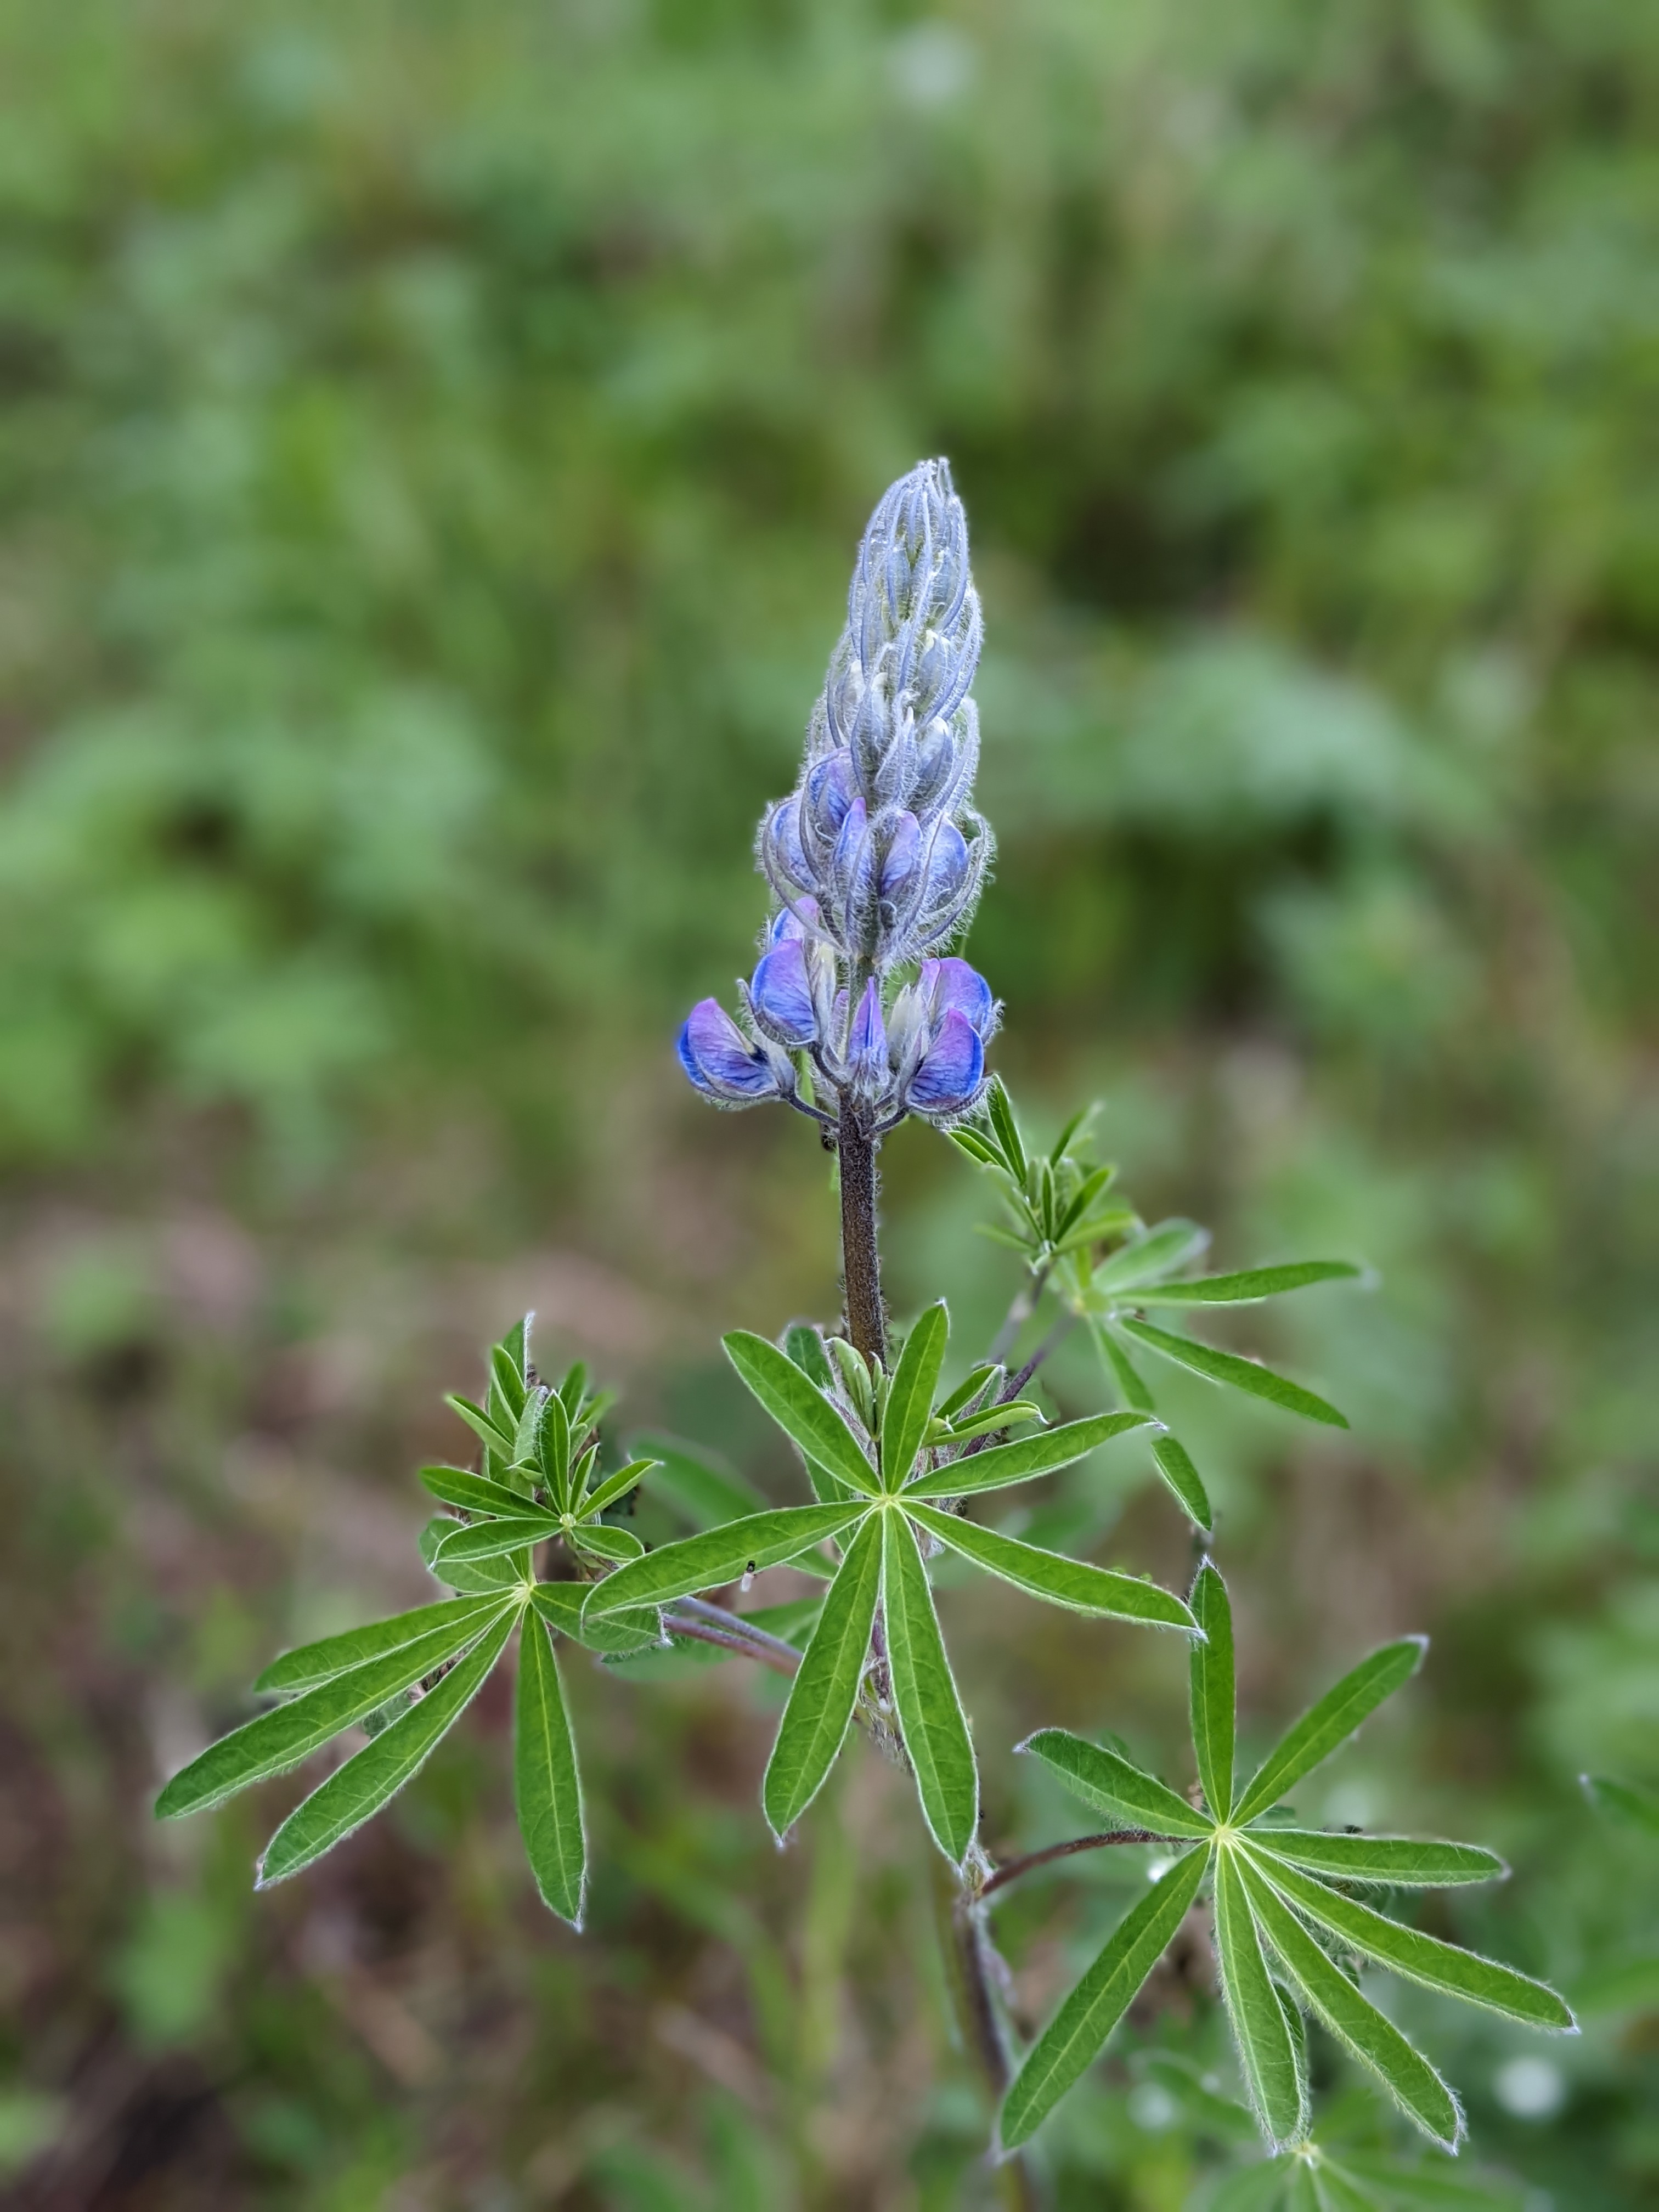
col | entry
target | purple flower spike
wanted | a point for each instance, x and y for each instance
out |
(951, 1072)
(954, 984)
(866, 1048)
(782, 995)
(721, 1061)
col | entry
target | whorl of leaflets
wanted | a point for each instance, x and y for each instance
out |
(876, 857)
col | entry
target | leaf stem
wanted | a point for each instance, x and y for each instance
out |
(1031, 1860)
(1025, 1304)
(702, 1631)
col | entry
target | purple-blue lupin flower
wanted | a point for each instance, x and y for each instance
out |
(876, 857)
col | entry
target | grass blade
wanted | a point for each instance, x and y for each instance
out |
(1420, 1958)
(546, 1786)
(1072, 2040)
(1226, 1367)
(1175, 1465)
(1019, 1463)
(721, 1556)
(1210, 1666)
(1247, 1288)
(488, 1540)
(801, 1410)
(281, 1739)
(312, 1663)
(930, 1715)
(1331, 1722)
(911, 1395)
(1405, 1862)
(359, 1788)
(1050, 1575)
(825, 1689)
(1267, 2052)
(1354, 2020)
(1124, 1792)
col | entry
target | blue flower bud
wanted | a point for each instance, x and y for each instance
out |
(721, 1061)
(781, 995)
(866, 1046)
(948, 1081)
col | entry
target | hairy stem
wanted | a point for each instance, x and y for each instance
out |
(703, 1632)
(963, 1942)
(866, 1316)
(1032, 1860)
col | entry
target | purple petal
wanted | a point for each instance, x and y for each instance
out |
(830, 790)
(721, 1061)
(792, 921)
(781, 995)
(783, 840)
(898, 869)
(950, 1074)
(866, 1049)
(954, 984)
(947, 865)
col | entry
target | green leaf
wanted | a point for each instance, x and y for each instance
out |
(546, 1787)
(1405, 1862)
(1247, 1288)
(334, 1655)
(356, 1791)
(1331, 1722)
(968, 1389)
(970, 1141)
(1107, 1783)
(488, 1540)
(1177, 1468)
(1022, 1461)
(1009, 1413)
(698, 1485)
(1005, 1129)
(281, 1739)
(1131, 1388)
(526, 1438)
(1354, 2020)
(801, 1410)
(613, 1487)
(911, 1395)
(1209, 1666)
(1071, 2041)
(482, 1577)
(1421, 1958)
(560, 1604)
(930, 1715)
(1096, 1230)
(605, 1540)
(1639, 1808)
(481, 1425)
(1159, 1252)
(805, 1347)
(553, 1440)
(472, 1493)
(825, 1689)
(1050, 1575)
(722, 1556)
(1267, 2052)
(1226, 1367)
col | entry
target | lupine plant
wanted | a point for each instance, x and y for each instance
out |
(858, 1014)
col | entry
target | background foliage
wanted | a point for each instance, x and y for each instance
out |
(433, 443)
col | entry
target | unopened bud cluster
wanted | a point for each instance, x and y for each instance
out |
(876, 857)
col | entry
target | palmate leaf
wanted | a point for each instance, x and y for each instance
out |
(1246, 1374)
(604, 1540)
(1400, 1862)
(801, 1410)
(1175, 1464)
(909, 1405)
(1072, 2040)
(1268, 2051)
(478, 1578)
(825, 1689)
(1151, 1257)
(333, 1655)
(1050, 1575)
(1352, 2019)
(613, 1487)
(1129, 1386)
(1210, 1664)
(488, 1540)
(1002, 1464)
(473, 1493)
(358, 1789)
(721, 1556)
(930, 1715)
(281, 1739)
(560, 1605)
(546, 1786)
(1331, 1722)
(1420, 1958)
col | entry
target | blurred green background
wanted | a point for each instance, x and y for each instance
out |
(433, 440)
